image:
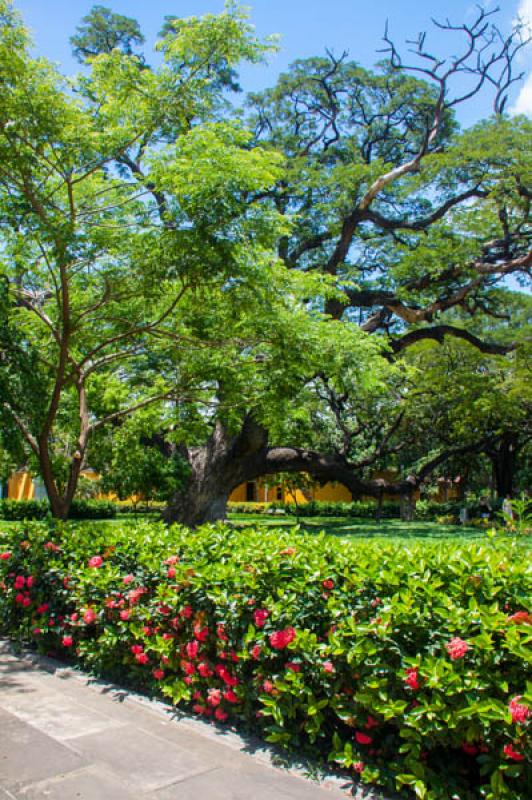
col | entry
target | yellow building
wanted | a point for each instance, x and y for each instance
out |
(21, 486)
(260, 491)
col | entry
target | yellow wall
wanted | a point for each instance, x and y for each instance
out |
(331, 492)
(20, 486)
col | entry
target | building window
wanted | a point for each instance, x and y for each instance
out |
(251, 492)
(279, 493)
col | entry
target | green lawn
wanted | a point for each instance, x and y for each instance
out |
(335, 526)
(362, 528)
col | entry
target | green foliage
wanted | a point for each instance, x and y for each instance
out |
(102, 31)
(40, 509)
(401, 662)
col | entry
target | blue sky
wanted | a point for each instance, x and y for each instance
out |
(306, 28)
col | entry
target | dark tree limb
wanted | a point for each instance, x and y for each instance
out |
(438, 334)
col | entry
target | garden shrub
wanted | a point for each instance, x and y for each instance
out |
(250, 508)
(17, 510)
(409, 665)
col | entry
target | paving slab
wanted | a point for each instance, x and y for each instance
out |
(65, 736)
(28, 755)
(90, 783)
(234, 783)
(142, 760)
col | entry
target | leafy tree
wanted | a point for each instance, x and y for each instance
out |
(102, 31)
(120, 205)
(413, 226)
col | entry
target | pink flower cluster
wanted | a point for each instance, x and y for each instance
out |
(281, 639)
(457, 648)
(519, 711)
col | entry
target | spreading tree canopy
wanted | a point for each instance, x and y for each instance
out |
(269, 290)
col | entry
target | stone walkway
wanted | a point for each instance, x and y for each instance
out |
(66, 737)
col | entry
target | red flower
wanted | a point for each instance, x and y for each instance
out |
(168, 636)
(220, 633)
(260, 616)
(255, 652)
(521, 618)
(222, 671)
(293, 666)
(514, 755)
(164, 610)
(53, 548)
(363, 738)
(186, 612)
(29, 582)
(20, 582)
(457, 648)
(214, 697)
(412, 678)
(358, 766)
(200, 633)
(147, 631)
(172, 560)
(142, 658)
(37, 631)
(95, 561)
(67, 641)
(220, 714)
(136, 649)
(171, 572)
(204, 670)
(89, 616)
(192, 649)
(281, 639)
(470, 749)
(328, 666)
(519, 711)
(128, 579)
(371, 723)
(5, 556)
(43, 608)
(158, 674)
(230, 696)
(328, 584)
(268, 687)
(26, 601)
(124, 615)
(188, 668)
(135, 594)
(19, 598)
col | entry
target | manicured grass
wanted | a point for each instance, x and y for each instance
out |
(361, 528)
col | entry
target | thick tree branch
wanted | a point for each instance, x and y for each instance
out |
(438, 334)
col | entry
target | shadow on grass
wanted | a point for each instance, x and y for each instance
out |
(362, 528)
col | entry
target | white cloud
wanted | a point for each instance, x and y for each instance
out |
(523, 103)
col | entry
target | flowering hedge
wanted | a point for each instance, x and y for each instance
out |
(409, 665)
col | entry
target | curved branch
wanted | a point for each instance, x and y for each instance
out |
(439, 332)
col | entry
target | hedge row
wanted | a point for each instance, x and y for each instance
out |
(19, 510)
(362, 509)
(410, 666)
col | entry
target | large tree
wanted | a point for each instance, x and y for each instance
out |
(413, 226)
(120, 204)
